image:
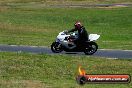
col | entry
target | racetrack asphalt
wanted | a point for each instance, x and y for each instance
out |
(92, 5)
(38, 5)
(111, 54)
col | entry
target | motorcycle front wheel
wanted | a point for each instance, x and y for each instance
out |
(91, 48)
(56, 47)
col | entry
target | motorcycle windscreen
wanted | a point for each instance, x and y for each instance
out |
(93, 37)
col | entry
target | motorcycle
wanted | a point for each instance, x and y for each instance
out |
(64, 43)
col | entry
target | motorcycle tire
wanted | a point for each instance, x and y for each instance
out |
(91, 48)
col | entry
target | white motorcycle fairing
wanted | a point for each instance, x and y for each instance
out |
(62, 35)
(93, 37)
(61, 39)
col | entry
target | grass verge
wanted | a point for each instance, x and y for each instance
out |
(66, 1)
(25, 70)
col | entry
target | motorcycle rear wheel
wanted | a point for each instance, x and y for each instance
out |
(91, 48)
(56, 47)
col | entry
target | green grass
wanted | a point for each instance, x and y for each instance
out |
(26, 24)
(67, 1)
(40, 26)
(25, 70)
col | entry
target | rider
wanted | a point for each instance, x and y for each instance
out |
(82, 34)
